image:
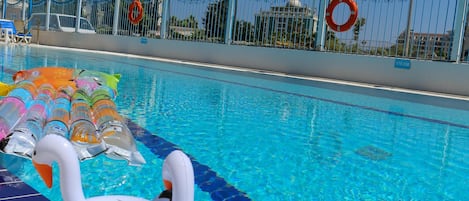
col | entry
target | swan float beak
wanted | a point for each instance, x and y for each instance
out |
(167, 184)
(46, 173)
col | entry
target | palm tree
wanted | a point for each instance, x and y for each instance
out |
(356, 28)
(356, 32)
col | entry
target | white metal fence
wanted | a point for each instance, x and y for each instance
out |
(420, 29)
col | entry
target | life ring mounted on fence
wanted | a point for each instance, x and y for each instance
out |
(351, 20)
(132, 19)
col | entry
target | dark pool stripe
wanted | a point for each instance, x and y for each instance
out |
(207, 179)
(12, 188)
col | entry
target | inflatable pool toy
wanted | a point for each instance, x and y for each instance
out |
(178, 173)
(75, 103)
(5, 88)
(100, 78)
(63, 104)
(31, 123)
(58, 77)
(13, 107)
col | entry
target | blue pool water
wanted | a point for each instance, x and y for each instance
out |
(267, 137)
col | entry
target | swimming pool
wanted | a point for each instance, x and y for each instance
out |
(266, 137)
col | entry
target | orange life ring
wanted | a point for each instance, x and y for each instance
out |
(139, 17)
(351, 20)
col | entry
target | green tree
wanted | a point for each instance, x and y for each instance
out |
(190, 22)
(173, 21)
(150, 18)
(397, 49)
(356, 33)
(356, 28)
(333, 43)
(243, 31)
(300, 35)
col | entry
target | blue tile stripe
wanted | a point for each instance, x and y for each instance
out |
(207, 179)
(12, 188)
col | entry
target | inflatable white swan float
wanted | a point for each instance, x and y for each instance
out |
(178, 173)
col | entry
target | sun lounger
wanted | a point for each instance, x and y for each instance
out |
(9, 32)
(22, 34)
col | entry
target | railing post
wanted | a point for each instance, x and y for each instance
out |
(230, 19)
(78, 14)
(408, 32)
(23, 10)
(458, 33)
(164, 19)
(115, 22)
(4, 9)
(48, 14)
(322, 29)
(30, 8)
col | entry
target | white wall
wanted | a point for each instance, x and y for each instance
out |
(443, 77)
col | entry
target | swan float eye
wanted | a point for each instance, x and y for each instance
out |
(34, 153)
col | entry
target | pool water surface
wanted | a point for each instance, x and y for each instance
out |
(263, 137)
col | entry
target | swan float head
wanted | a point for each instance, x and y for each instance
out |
(178, 173)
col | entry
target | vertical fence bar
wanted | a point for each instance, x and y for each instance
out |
(78, 14)
(322, 29)
(159, 14)
(4, 9)
(458, 32)
(164, 19)
(49, 2)
(429, 38)
(115, 22)
(213, 21)
(23, 10)
(400, 40)
(436, 28)
(407, 37)
(230, 21)
(30, 8)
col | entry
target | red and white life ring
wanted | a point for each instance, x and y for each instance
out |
(132, 19)
(351, 20)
